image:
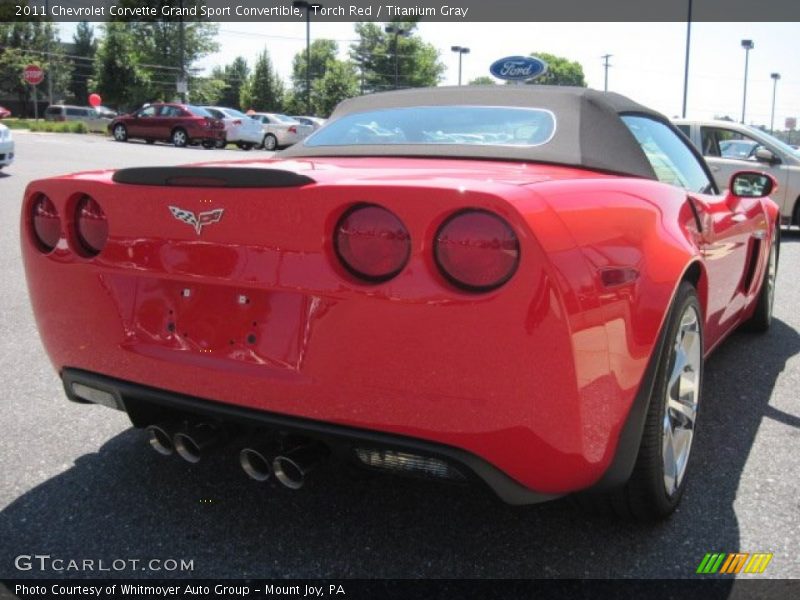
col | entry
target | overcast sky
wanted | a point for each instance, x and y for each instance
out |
(648, 58)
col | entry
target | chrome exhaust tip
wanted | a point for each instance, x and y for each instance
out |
(292, 467)
(160, 438)
(194, 441)
(256, 463)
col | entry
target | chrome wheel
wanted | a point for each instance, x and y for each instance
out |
(120, 133)
(270, 142)
(179, 138)
(683, 392)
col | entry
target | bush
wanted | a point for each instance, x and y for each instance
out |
(62, 127)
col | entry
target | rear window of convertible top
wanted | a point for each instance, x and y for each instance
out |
(473, 125)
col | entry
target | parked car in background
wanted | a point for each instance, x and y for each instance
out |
(279, 130)
(729, 147)
(240, 129)
(4, 112)
(6, 146)
(85, 114)
(315, 122)
(181, 124)
(105, 113)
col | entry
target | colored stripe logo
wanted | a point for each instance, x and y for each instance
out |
(734, 563)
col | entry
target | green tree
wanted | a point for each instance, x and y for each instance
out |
(85, 45)
(31, 42)
(482, 80)
(122, 82)
(264, 89)
(207, 90)
(560, 71)
(234, 76)
(375, 53)
(322, 53)
(339, 83)
(159, 44)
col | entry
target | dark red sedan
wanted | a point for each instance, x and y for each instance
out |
(180, 124)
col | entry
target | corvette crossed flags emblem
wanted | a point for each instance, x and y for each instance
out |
(197, 221)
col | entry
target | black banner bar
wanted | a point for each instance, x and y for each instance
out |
(709, 588)
(387, 10)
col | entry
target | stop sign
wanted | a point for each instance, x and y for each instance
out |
(33, 74)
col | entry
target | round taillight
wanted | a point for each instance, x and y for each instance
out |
(91, 225)
(372, 243)
(46, 223)
(476, 250)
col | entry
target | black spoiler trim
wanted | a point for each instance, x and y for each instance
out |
(213, 177)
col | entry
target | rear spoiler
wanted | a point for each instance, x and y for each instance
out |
(214, 177)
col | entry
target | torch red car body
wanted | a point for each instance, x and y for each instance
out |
(539, 386)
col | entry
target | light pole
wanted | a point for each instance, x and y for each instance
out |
(747, 45)
(686, 65)
(397, 31)
(308, 6)
(49, 59)
(775, 77)
(462, 50)
(606, 64)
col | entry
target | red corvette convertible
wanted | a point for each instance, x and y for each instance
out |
(515, 286)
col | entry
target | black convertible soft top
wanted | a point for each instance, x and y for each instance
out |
(589, 132)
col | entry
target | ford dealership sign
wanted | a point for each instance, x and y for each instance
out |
(518, 68)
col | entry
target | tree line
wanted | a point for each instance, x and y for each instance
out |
(130, 63)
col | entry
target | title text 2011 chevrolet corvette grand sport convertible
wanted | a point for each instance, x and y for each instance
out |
(517, 286)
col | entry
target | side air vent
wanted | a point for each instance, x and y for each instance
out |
(752, 262)
(213, 177)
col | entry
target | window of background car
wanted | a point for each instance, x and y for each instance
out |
(199, 112)
(670, 157)
(475, 125)
(149, 111)
(232, 112)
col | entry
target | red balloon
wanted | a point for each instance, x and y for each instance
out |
(95, 99)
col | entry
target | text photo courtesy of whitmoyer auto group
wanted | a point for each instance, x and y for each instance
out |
(347, 299)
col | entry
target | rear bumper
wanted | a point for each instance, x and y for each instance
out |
(144, 405)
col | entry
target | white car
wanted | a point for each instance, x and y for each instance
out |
(240, 129)
(729, 147)
(6, 146)
(280, 131)
(315, 122)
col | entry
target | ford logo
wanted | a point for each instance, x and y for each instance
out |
(518, 68)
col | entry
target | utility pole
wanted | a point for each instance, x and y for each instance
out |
(182, 84)
(397, 31)
(49, 59)
(686, 65)
(308, 6)
(606, 64)
(775, 77)
(747, 45)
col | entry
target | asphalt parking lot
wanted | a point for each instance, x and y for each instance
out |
(76, 482)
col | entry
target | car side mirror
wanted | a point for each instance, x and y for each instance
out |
(766, 155)
(752, 184)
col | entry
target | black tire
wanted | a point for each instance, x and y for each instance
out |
(645, 496)
(150, 142)
(179, 138)
(244, 146)
(762, 315)
(209, 145)
(120, 132)
(220, 144)
(270, 142)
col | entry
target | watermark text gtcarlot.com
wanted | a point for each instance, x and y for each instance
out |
(49, 563)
